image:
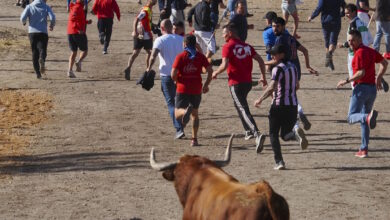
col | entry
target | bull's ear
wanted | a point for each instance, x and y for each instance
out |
(169, 175)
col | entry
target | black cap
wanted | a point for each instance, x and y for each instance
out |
(277, 49)
(271, 15)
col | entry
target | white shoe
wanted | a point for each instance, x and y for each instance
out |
(280, 166)
(301, 138)
(71, 74)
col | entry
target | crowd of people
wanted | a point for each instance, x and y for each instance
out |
(183, 58)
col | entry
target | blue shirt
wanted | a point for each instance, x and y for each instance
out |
(269, 39)
(37, 13)
(331, 11)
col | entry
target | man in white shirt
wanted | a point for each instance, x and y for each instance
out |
(167, 47)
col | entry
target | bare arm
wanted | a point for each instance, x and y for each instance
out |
(358, 75)
(260, 61)
(135, 31)
(152, 58)
(268, 92)
(307, 61)
(174, 74)
(221, 68)
(209, 71)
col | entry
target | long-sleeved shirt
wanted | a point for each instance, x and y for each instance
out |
(76, 21)
(37, 13)
(331, 11)
(106, 9)
(201, 13)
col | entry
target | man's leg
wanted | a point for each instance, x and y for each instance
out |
(148, 52)
(132, 58)
(35, 53)
(100, 26)
(42, 48)
(386, 33)
(195, 123)
(168, 89)
(370, 96)
(296, 21)
(108, 30)
(274, 128)
(72, 59)
(378, 36)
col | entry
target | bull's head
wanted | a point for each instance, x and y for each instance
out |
(182, 171)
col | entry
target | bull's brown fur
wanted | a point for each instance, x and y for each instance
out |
(207, 192)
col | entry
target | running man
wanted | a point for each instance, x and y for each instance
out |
(366, 86)
(104, 10)
(77, 36)
(186, 72)
(37, 13)
(167, 47)
(142, 35)
(283, 112)
(289, 8)
(237, 59)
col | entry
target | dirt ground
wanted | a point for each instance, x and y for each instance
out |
(79, 148)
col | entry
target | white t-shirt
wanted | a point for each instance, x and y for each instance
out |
(169, 45)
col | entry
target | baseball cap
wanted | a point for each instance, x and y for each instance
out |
(270, 15)
(277, 49)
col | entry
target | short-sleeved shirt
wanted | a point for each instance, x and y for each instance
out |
(286, 77)
(365, 58)
(189, 79)
(169, 45)
(366, 2)
(292, 46)
(240, 57)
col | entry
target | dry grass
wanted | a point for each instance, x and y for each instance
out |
(12, 39)
(20, 109)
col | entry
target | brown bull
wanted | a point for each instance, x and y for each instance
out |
(207, 192)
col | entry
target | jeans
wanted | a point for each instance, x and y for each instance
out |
(362, 100)
(105, 29)
(168, 88)
(38, 43)
(382, 28)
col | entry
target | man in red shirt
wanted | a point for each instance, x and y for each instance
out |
(77, 37)
(237, 59)
(142, 35)
(186, 72)
(104, 10)
(365, 87)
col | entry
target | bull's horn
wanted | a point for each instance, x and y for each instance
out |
(160, 166)
(228, 152)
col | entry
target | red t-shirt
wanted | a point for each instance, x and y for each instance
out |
(240, 57)
(76, 21)
(365, 58)
(189, 80)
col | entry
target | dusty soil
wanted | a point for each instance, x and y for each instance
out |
(87, 155)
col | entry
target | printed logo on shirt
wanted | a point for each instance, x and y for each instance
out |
(190, 68)
(242, 52)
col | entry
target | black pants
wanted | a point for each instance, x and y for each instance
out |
(239, 94)
(105, 29)
(283, 119)
(38, 43)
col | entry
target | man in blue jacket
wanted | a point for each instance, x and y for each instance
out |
(37, 13)
(331, 13)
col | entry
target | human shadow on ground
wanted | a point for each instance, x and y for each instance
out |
(377, 168)
(65, 162)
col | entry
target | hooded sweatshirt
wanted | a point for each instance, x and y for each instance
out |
(106, 9)
(37, 13)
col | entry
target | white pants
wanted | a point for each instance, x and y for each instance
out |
(176, 16)
(206, 40)
(350, 70)
(363, 16)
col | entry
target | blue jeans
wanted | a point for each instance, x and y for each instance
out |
(362, 100)
(382, 28)
(168, 88)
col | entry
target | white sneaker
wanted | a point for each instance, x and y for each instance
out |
(280, 166)
(248, 135)
(71, 74)
(301, 138)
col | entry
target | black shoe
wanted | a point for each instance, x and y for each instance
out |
(327, 59)
(331, 66)
(18, 4)
(127, 73)
(371, 119)
(385, 85)
(39, 76)
(306, 123)
(249, 15)
(216, 62)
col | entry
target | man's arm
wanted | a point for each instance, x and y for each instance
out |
(152, 58)
(382, 69)
(135, 31)
(267, 93)
(317, 10)
(189, 16)
(117, 11)
(260, 61)
(209, 71)
(174, 74)
(307, 61)
(52, 17)
(24, 15)
(221, 68)
(358, 75)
